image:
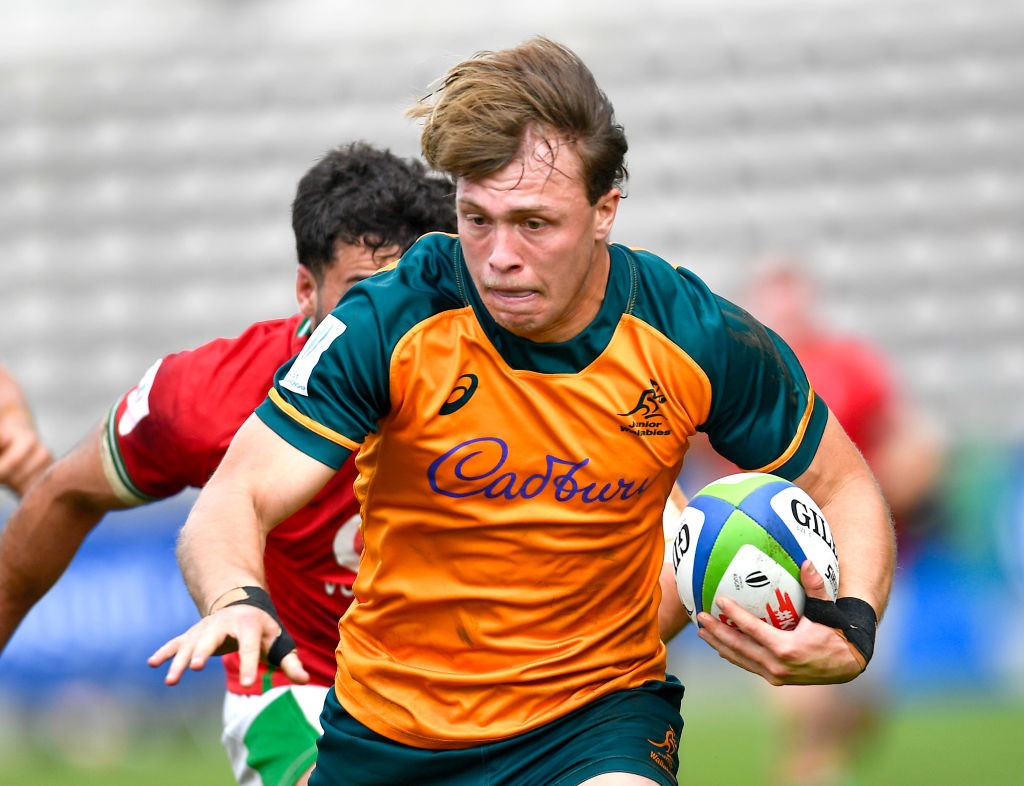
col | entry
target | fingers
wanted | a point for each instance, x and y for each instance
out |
(238, 628)
(814, 583)
(732, 645)
(12, 459)
(178, 648)
(252, 643)
(746, 641)
(167, 650)
(22, 459)
(293, 669)
(809, 654)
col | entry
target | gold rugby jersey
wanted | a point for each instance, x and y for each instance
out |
(512, 492)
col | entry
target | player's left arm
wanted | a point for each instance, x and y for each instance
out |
(845, 490)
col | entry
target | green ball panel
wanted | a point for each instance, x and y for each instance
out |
(735, 493)
(739, 530)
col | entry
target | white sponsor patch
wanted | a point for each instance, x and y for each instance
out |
(297, 378)
(137, 401)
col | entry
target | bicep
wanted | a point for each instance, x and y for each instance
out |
(836, 464)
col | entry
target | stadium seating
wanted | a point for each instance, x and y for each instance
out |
(148, 173)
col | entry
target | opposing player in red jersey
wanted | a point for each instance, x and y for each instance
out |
(827, 724)
(356, 210)
(23, 456)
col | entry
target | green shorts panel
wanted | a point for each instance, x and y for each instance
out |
(281, 743)
(635, 731)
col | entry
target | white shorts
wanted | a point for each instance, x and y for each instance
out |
(271, 738)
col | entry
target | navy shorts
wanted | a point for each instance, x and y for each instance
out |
(635, 731)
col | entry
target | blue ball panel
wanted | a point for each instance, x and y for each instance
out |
(758, 506)
(716, 513)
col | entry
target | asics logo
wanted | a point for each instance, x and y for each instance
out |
(460, 394)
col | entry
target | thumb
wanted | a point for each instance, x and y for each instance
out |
(293, 668)
(814, 584)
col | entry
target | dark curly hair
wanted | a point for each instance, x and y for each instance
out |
(359, 194)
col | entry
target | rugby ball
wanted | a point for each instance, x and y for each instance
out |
(745, 536)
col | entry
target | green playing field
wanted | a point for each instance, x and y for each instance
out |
(934, 742)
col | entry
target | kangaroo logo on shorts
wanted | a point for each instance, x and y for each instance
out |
(665, 755)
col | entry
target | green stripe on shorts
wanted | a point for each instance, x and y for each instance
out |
(281, 742)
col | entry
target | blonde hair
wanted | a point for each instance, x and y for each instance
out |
(483, 107)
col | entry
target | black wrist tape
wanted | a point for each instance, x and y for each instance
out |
(260, 598)
(853, 617)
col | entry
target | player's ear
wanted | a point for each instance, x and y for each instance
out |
(605, 209)
(305, 291)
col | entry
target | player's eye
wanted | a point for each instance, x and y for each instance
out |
(533, 223)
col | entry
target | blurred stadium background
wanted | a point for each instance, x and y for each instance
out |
(149, 152)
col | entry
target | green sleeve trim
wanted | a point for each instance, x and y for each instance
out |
(114, 467)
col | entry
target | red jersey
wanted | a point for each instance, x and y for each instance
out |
(854, 380)
(171, 430)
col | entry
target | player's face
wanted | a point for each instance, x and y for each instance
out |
(351, 264)
(535, 247)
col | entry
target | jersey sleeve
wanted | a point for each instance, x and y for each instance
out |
(764, 415)
(144, 454)
(330, 396)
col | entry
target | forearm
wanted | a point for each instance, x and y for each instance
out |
(36, 546)
(846, 491)
(864, 541)
(261, 481)
(221, 545)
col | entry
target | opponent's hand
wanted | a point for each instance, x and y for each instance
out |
(247, 629)
(809, 654)
(23, 457)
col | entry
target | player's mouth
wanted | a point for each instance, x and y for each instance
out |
(513, 297)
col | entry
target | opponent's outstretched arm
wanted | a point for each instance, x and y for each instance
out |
(261, 481)
(845, 490)
(46, 530)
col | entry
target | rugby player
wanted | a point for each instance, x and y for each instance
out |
(519, 399)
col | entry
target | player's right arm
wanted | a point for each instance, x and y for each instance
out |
(262, 480)
(46, 530)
